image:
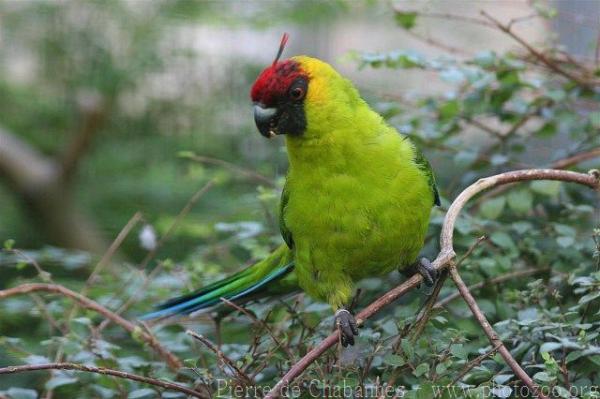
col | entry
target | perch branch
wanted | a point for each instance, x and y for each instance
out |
(491, 334)
(172, 360)
(444, 258)
(105, 371)
(243, 377)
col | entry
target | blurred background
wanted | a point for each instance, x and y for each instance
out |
(99, 100)
(110, 108)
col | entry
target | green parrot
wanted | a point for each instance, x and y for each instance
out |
(356, 201)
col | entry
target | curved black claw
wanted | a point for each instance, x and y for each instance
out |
(429, 273)
(346, 324)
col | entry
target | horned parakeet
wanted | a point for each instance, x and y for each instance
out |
(356, 201)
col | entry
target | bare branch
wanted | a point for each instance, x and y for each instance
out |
(474, 363)
(535, 53)
(234, 168)
(264, 325)
(151, 254)
(577, 158)
(243, 377)
(172, 360)
(105, 371)
(492, 335)
(496, 280)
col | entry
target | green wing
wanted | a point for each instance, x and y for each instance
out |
(285, 232)
(424, 165)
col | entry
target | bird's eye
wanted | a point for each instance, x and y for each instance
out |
(297, 93)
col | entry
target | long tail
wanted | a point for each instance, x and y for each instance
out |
(251, 283)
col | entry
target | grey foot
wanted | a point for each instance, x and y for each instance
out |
(429, 273)
(346, 324)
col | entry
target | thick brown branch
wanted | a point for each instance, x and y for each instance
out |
(101, 370)
(443, 259)
(172, 360)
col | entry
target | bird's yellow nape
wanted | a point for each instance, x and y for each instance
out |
(322, 78)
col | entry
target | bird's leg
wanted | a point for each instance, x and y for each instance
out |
(429, 273)
(346, 324)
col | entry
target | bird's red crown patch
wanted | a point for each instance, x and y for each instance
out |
(272, 84)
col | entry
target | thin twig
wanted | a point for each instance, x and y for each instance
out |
(234, 168)
(184, 211)
(577, 158)
(264, 325)
(243, 377)
(492, 335)
(172, 360)
(474, 363)
(537, 54)
(496, 280)
(105, 371)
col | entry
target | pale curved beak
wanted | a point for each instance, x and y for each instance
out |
(264, 118)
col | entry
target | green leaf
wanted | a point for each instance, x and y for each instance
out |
(406, 19)
(421, 369)
(503, 240)
(565, 242)
(562, 392)
(22, 393)
(394, 360)
(459, 351)
(548, 347)
(546, 187)
(493, 208)
(542, 376)
(59, 380)
(595, 119)
(449, 109)
(9, 244)
(589, 297)
(549, 129)
(529, 314)
(520, 201)
(144, 393)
